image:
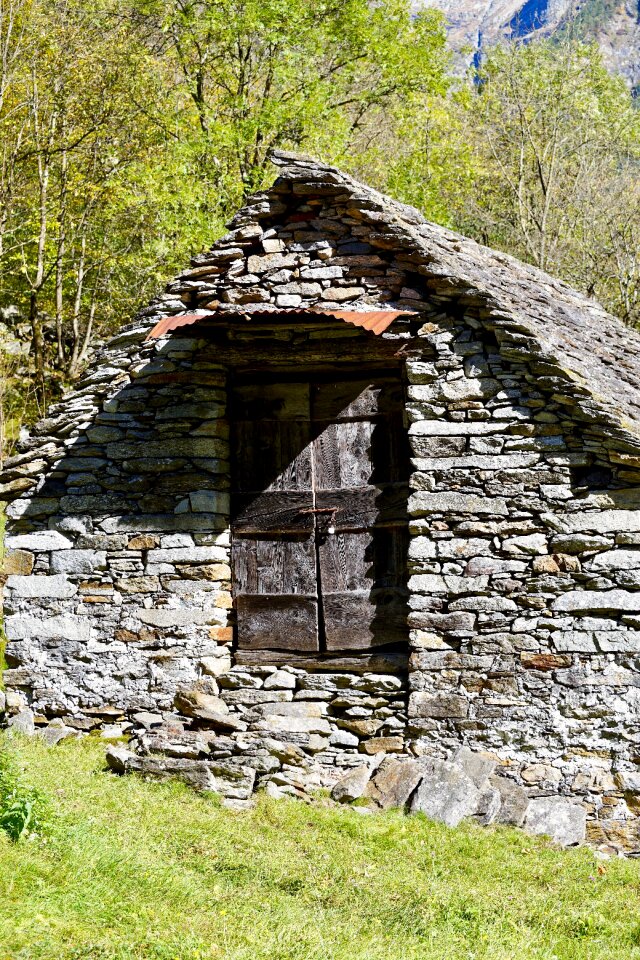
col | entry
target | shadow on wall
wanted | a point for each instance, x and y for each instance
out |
(140, 506)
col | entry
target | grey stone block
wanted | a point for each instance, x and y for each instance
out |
(55, 732)
(438, 705)
(615, 560)
(23, 722)
(353, 785)
(488, 806)
(78, 561)
(281, 724)
(54, 587)
(563, 821)
(62, 627)
(577, 600)
(514, 801)
(445, 793)
(40, 541)
(394, 782)
(189, 555)
(476, 766)
(456, 503)
(280, 680)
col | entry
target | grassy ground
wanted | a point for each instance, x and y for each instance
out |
(141, 871)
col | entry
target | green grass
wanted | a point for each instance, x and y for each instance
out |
(131, 870)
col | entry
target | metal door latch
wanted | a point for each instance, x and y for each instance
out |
(331, 511)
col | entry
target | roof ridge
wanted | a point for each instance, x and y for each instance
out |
(585, 342)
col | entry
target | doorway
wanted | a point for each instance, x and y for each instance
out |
(320, 468)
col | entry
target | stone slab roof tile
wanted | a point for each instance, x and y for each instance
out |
(591, 348)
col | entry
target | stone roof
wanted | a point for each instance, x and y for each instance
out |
(531, 312)
(585, 358)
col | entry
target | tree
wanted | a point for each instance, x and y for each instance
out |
(556, 143)
(133, 128)
(73, 134)
(258, 74)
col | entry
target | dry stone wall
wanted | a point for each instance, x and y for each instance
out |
(525, 563)
(524, 625)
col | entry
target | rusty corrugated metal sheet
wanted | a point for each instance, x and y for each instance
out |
(173, 323)
(377, 321)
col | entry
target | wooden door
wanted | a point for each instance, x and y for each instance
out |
(273, 547)
(319, 513)
(360, 481)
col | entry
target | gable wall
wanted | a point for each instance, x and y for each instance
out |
(123, 595)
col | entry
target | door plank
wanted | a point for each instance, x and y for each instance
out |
(360, 509)
(257, 401)
(277, 622)
(244, 566)
(360, 620)
(347, 562)
(286, 512)
(343, 454)
(271, 455)
(356, 399)
(361, 471)
(286, 567)
(273, 547)
(394, 662)
(363, 560)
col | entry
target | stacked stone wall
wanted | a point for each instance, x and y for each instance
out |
(525, 586)
(524, 560)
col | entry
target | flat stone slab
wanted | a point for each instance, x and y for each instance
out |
(514, 802)
(476, 766)
(23, 722)
(56, 732)
(445, 793)
(394, 782)
(352, 786)
(563, 821)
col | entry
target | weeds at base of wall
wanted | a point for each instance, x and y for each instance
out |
(24, 810)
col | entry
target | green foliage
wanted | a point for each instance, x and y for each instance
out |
(133, 870)
(555, 154)
(3, 639)
(23, 809)
(130, 130)
(591, 15)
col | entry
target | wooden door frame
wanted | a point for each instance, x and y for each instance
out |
(369, 658)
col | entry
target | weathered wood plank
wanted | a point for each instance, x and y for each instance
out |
(342, 455)
(286, 512)
(360, 509)
(362, 560)
(271, 456)
(362, 620)
(274, 566)
(271, 401)
(291, 354)
(344, 399)
(395, 662)
(277, 622)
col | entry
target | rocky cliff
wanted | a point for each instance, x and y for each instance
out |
(615, 24)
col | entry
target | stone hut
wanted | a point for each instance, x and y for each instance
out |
(353, 489)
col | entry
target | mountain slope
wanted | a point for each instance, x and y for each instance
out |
(615, 24)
